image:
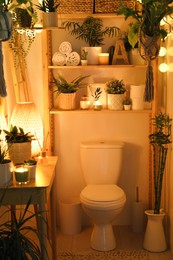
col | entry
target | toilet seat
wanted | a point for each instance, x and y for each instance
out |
(103, 196)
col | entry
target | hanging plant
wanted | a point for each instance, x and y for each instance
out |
(146, 30)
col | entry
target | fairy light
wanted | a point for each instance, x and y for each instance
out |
(163, 67)
(162, 52)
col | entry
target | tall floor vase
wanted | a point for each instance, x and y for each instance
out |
(154, 239)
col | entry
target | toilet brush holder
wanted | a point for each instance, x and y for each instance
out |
(137, 214)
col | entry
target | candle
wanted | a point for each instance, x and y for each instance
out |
(84, 103)
(97, 105)
(103, 58)
(21, 174)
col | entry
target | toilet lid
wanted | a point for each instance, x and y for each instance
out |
(103, 193)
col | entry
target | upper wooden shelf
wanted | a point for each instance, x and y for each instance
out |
(77, 16)
(97, 66)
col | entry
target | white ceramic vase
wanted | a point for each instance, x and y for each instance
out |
(115, 101)
(5, 174)
(154, 239)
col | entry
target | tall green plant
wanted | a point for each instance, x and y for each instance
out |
(91, 30)
(160, 140)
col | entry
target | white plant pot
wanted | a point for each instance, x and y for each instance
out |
(65, 101)
(93, 54)
(50, 19)
(5, 174)
(127, 107)
(32, 171)
(154, 239)
(20, 152)
(135, 58)
(115, 101)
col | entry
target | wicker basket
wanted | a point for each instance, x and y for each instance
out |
(111, 6)
(75, 6)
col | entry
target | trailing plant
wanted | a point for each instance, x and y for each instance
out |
(115, 86)
(160, 140)
(17, 135)
(15, 242)
(91, 30)
(63, 86)
(48, 6)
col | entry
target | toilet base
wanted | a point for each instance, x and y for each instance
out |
(102, 238)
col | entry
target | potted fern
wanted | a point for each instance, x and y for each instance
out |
(49, 9)
(19, 144)
(5, 165)
(65, 92)
(115, 89)
(92, 32)
(160, 141)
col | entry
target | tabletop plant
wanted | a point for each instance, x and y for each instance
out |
(17, 135)
(160, 140)
(63, 86)
(115, 86)
(91, 30)
(146, 30)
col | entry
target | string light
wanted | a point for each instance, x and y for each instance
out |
(162, 51)
(163, 67)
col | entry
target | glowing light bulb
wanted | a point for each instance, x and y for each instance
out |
(162, 52)
(163, 67)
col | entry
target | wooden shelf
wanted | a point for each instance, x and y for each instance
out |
(97, 66)
(105, 111)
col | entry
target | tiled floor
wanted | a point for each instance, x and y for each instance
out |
(126, 240)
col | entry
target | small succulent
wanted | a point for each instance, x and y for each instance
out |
(30, 162)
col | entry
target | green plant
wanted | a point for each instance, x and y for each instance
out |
(127, 101)
(3, 152)
(63, 86)
(96, 94)
(84, 55)
(160, 140)
(17, 135)
(91, 30)
(48, 6)
(30, 162)
(115, 87)
(148, 21)
(15, 242)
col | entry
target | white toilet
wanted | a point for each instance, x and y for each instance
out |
(102, 200)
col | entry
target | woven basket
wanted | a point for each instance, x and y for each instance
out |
(75, 6)
(111, 6)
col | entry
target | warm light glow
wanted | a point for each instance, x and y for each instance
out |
(162, 52)
(103, 58)
(163, 67)
(27, 116)
(170, 51)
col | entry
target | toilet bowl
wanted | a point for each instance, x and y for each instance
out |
(102, 203)
(102, 199)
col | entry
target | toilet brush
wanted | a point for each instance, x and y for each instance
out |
(137, 214)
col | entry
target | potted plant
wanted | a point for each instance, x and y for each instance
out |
(115, 89)
(84, 57)
(49, 9)
(147, 32)
(97, 105)
(31, 165)
(5, 165)
(15, 235)
(160, 141)
(19, 144)
(127, 103)
(92, 32)
(66, 92)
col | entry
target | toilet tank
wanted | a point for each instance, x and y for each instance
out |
(101, 161)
